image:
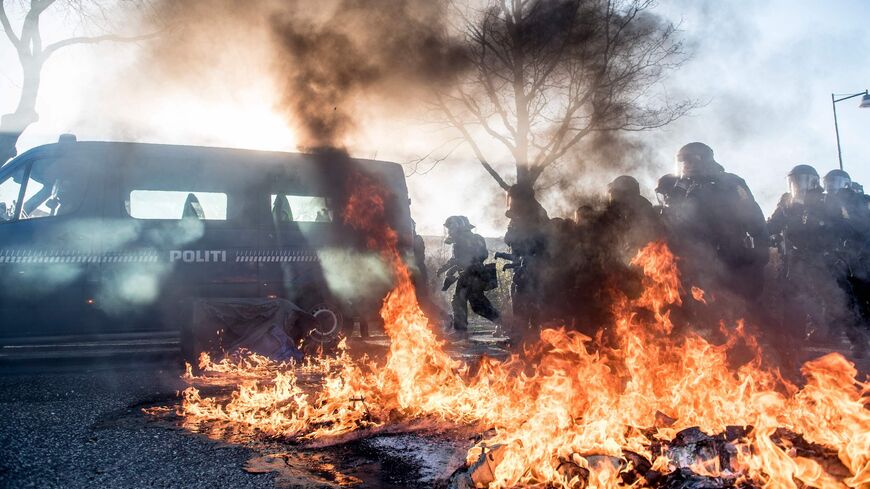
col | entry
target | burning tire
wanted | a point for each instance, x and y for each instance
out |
(329, 323)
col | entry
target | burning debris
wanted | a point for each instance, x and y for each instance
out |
(656, 409)
(613, 391)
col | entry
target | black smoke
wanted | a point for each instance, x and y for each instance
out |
(368, 51)
(332, 66)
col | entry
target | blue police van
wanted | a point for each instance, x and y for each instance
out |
(108, 246)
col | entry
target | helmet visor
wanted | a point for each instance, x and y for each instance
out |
(692, 165)
(837, 182)
(800, 184)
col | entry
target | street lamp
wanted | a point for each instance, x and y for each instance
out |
(865, 103)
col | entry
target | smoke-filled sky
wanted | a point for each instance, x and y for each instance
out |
(764, 70)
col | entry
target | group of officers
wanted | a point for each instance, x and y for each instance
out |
(804, 273)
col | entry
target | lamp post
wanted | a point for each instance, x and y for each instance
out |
(865, 103)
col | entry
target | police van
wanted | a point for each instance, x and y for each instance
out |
(108, 243)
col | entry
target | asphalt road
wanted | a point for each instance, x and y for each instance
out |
(74, 429)
(82, 427)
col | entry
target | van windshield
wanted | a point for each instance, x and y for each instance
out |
(55, 187)
(10, 188)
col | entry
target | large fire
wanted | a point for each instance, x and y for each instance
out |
(568, 408)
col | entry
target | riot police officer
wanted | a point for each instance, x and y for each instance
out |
(849, 221)
(836, 180)
(629, 220)
(845, 202)
(714, 224)
(804, 231)
(797, 226)
(467, 270)
(527, 239)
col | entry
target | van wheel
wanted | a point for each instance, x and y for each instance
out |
(328, 325)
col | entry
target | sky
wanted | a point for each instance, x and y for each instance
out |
(764, 71)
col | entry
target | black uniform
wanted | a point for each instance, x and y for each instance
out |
(629, 223)
(469, 253)
(527, 239)
(849, 217)
(812, 268)
(716, 227)
(801, 230)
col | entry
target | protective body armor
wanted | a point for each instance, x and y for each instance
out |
(718, 209)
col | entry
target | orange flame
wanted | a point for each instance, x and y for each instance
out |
(698, 295)
(566, 398)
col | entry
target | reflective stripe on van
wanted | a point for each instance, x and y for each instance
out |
(276, 255)
(252, 255)
(75, 256)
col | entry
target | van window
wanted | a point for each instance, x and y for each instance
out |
(300, 208)
(10, 188)
(177, 204)
(54, 188)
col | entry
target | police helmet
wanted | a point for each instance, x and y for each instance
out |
(584, 214)
(664, 187)
(802, 179)
(518, 197)
(457, 223)
(695, 159)
(623, 185)
(803, 170)
(836, 180)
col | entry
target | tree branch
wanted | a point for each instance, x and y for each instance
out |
(491, 92)
(554, 73)
(7, 27)
(39, 7)
(455, 122)
(472, 107)
(52, 48)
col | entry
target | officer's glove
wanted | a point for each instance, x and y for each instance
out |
(448, 281)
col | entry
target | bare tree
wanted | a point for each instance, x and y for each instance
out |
(33, 54)
(545, 74)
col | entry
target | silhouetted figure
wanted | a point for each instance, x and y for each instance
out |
(629, 221)
(800, 231)
(192, 208)
(281, 211)
(420, 278)
(323, 215)
(848, 214)
(714, 225)
(467, 270)
(527, 240)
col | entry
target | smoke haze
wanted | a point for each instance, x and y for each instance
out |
(382, 52)
(331, 68)
(766, 71)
